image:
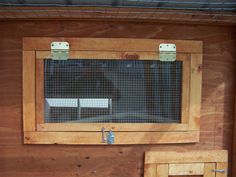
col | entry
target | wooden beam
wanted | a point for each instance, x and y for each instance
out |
(111, 55)
(195, 92)
(186, 157)
(122, 14)
(112, 44)
(95, 127)
(39, 91)
(120, 137)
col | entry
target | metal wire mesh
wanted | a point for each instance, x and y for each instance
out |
(112, 91)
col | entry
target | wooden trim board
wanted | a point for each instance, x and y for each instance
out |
(29, 90)
(120, 137)
(117, 14)
(186, 157)
(112, 44)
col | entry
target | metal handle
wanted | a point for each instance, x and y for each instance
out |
(219, 171)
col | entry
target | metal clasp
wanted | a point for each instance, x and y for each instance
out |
(108, 137)
(218, 170)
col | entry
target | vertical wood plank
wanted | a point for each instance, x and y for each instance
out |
(162, 170)
(195, 91)
(222, 166)
(185, 89)
(29, 90)
(39, 91)
(234, 141)
(150, 170)
(208, 167)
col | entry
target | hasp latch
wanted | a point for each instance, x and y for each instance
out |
(167, 52)
(219, 170)
(60, 50)
(108, 137)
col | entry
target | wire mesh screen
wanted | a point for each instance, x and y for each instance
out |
(112, 91)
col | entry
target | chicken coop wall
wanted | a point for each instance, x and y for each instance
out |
(217, 113)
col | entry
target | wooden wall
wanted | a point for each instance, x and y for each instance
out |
(18, 160)
(234, 142)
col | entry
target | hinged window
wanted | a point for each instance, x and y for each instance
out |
(115, 85)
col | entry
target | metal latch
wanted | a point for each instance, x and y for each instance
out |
(167, 52)
(60, 50)
(108, 137)
(219, 171)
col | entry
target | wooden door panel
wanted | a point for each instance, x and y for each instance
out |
(212, 163)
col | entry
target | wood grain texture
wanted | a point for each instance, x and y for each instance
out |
(75, 54)
(222, 166)
(234, 142)
(29, 90)
(186, 157)
(195, 92)
(111, 44)
(95, 138)
(39, 89)
(150, 170)
(124, 14)
(127, 127)
(217, 111)
(162, 170)
(186, 169)
(208, 167)
(186, 87)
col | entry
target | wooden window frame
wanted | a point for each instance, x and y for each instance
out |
(171, 163)
(35, 50)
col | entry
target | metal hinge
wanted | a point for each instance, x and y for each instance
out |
(167, 52)
(60, 50)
